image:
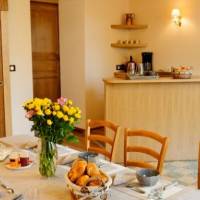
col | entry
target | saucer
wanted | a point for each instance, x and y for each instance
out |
(19, 167)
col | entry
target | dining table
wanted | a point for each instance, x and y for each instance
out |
(32, 186)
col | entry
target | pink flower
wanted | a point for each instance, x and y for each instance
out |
(61, 100)
(30, 114)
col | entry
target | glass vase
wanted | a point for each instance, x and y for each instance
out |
(47, 158)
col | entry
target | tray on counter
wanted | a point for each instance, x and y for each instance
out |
(142, 77)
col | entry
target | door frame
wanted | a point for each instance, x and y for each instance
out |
(46, 1)
(5, 61)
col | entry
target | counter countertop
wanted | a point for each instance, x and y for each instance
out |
(160, 80)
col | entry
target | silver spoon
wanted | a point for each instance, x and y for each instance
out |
(9, 189)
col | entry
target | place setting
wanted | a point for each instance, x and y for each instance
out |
(19, 160)
(147, 184)
(5, 151)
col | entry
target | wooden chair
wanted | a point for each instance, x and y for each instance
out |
(91, 124)
(145, 150)
(199, 169)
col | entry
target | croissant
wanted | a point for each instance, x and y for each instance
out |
(77, 170)
(95, 182)
(101, 177)
(92, 169)
(83, 180)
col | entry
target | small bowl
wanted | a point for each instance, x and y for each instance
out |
(89, 156)
(147, 177)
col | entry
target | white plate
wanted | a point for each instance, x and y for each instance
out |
(8, 166)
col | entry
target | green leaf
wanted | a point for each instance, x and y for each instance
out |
(72, 139)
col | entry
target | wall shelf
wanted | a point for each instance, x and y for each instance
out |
(129, 27)
(128, 46)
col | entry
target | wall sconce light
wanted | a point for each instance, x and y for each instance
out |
(177, 18)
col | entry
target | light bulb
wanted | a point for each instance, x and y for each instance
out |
(176, 13)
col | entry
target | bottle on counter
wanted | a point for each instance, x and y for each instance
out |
(131, 67)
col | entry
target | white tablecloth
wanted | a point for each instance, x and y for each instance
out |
(31, 184)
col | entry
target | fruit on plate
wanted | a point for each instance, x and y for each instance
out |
(182, 72)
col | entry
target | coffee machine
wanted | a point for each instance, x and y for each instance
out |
(147, 60)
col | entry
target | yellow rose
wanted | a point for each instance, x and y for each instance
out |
(54, 113)
(65, 117)
(72, 111)
(37, 101)
(49, 122)
(47, 101)
(39, 112)
(57, 107)
(60, 114)
(25, 104)
(65, 108)
(37, 108)
(30, 106)
(48, 112)
(78, 110)
(71, 120)
(77, 115)
(70, 102)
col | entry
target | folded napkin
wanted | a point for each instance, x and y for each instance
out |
(4, 151)
(110, 168)
(63, 150)
(165, 193)
(67, 159)
(31, 145)
(124, 177)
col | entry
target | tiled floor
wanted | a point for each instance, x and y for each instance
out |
(184, 172)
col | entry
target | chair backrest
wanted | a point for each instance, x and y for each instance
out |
(91, 124)
(159, 156)
(199, 168)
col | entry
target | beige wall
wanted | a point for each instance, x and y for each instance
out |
(171, 45)
(100, 57)
(19, 32)
(72, 51)
(86, 56)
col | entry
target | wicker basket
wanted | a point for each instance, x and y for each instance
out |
(87, 193)
(182, 72)
(182, 76)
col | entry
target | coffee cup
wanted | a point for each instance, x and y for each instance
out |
(14, 159)
(24, 158)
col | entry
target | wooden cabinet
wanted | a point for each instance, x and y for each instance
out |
(167, 106)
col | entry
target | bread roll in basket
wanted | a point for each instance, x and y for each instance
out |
(86, 181)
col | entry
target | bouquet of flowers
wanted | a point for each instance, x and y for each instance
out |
(53, 122)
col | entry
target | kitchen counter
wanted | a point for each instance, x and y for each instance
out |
(160, 80)
(170, 107)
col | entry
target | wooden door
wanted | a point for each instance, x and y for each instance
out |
(45, 50)
(2, 114)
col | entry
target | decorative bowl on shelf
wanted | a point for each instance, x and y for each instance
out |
(182, 72)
